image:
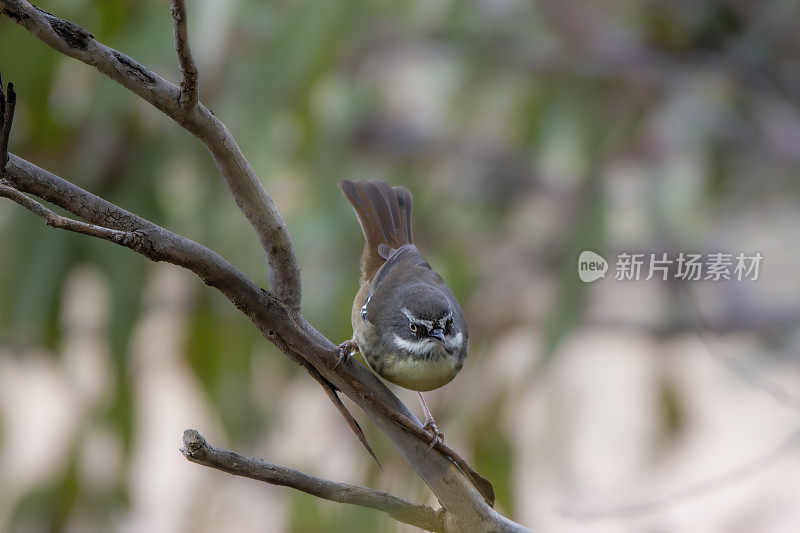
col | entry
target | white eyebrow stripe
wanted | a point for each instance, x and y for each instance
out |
(412, 318)
(427, 323)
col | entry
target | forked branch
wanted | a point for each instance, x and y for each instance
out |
(57, 221)
(276, 313)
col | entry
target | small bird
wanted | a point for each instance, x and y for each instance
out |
(407, 323)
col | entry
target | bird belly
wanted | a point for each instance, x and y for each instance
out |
(402, 368)
(418, 374)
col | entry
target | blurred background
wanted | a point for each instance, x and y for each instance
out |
(527, 132)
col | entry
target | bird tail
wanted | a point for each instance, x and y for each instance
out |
(385, 216)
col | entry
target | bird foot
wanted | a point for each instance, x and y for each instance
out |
(438, 436)
(345, 350)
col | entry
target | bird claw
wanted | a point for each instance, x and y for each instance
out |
(345, 350)
(438, 436)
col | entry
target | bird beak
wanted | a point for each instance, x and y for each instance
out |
(437, 334)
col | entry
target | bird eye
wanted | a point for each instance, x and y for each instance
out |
(413, 327)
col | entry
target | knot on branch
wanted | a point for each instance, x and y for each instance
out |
(134, 69)
(72, 34)
(17, 13)
(53, 220)
(137, 240)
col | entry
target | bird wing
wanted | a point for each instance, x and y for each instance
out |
(406, 256)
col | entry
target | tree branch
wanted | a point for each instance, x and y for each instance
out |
(93, 208)
(273, 320)
(188, 69)
(155, 243)
(57, 221)
(197, 450)
(276, 313)
(251, 197)
(8, 100)
(290, 332)
(152, 241)
(330, 391)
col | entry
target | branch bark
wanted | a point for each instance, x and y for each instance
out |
(188, 69)
(57, 221)
(151, 240)
(8, 100)
(197, 450)
(276, 313)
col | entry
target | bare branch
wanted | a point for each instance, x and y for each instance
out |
(8, 101)
(288, 331)
(151, 240)
(275, 323)
(70, 39)
(157, 244)
(276, 314)
(330, 390)
(187, 68)
(197, 450)
(57, 221)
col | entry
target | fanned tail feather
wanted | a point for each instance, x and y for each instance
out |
(384, 213)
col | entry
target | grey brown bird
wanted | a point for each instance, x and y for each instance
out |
(407, 323)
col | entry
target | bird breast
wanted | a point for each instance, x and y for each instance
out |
(420, 367)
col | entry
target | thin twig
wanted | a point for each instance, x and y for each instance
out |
(480, 483)
(197, 450)
(187, 67)
(156, 243)
(57, 221)
(330, 390)
(8, 101)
